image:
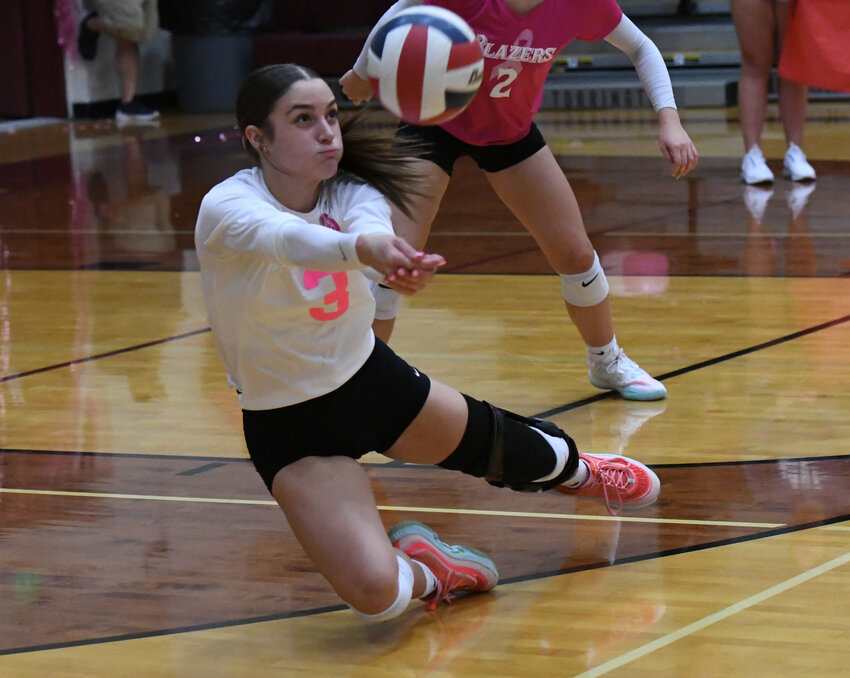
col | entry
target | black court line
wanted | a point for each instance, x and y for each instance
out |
(202, 469)
(705, 363)
(486, 260)
(788, 529)
(512, 580)
(107, 354)
(128, 455)
(171, 632)
(755, 462)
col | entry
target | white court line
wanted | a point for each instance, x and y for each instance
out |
(411, 509)
(714, 618)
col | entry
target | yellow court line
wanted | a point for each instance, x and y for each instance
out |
(571, 516)
(641, 234)
(488, 234)
(705, 622)
(143, 497)
(409, 509)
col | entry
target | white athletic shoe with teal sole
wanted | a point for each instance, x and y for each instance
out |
(627, 378)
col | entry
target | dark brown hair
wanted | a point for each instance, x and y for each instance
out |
(369, 154)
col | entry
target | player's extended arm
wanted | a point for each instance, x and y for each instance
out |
(675, 144)
(354, 83)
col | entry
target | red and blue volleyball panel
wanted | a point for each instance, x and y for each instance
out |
(425, 65)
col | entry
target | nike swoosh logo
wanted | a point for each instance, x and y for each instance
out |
(415, 371)
(590, 282)
(345, 258)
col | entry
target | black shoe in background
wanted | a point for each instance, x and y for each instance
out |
(135, 111)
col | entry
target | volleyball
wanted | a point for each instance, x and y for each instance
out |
(425, 65)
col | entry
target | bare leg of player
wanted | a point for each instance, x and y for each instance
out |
(416, 230)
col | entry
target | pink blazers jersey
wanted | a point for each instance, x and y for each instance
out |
(518, 53)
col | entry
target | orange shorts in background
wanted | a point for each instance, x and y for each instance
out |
(816, 51)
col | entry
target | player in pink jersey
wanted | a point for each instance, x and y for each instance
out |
(520, 39)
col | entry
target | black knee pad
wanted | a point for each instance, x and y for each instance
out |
(505, 421)
(499, 446)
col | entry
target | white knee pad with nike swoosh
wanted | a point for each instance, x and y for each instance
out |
(585, 289)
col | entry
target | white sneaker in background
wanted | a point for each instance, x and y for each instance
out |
(756, 198)
(798, 198)
(754, 169)
(796, 167)
(627, 378)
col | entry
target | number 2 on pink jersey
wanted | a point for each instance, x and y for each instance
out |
(502, 88)
(338, 297)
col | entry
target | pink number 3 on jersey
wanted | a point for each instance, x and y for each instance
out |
(336, 301)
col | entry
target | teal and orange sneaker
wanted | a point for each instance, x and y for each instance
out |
(457, 568)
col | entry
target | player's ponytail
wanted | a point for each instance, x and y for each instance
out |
(379, 160)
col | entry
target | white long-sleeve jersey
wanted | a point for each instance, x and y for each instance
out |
(289, 304)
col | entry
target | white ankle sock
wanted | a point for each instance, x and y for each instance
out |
(580, 477)
(430, 579)
(602, 355)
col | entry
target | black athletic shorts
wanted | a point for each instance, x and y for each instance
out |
(443, 149)
(367, 413)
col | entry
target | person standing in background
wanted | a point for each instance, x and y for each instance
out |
(129, 22)
(760, 25)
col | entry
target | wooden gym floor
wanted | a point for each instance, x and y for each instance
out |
(136, 540)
